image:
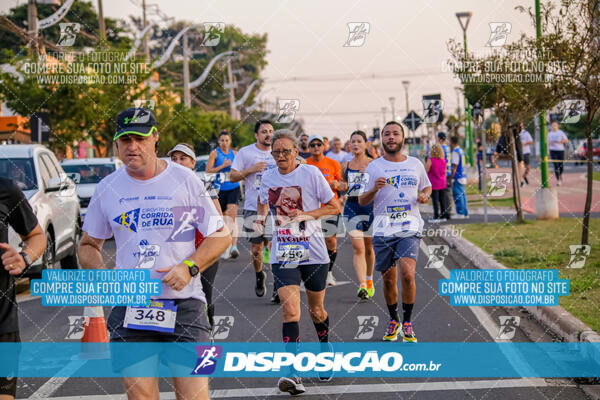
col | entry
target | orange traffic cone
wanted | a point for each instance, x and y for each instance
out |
(94, 343)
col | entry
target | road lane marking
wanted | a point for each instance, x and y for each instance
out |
(349, 389)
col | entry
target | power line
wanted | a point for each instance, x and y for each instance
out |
(350, 77)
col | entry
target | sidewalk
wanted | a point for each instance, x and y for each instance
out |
(571, 194)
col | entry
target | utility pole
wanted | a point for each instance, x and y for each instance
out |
(32, 28)
(145, 22)
(231, 85)
(187, 99)
(101, 24)
(392, 101)
(383, 109)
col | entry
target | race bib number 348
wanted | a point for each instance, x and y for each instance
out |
(159, 316)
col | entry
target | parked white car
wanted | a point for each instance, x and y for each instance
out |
(52, 196)
(86, 173)
(201, 166)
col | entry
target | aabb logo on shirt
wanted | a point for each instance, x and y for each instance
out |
(145, 219)
(402, 180)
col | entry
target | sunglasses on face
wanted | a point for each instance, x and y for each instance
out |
(316, 144)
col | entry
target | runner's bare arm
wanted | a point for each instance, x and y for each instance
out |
(368, 196)
(262, 209)
(211, 248)
(90, 252)
(425, 195)
(331, 208)
(235, 176)
(35, 243)
(210, 163)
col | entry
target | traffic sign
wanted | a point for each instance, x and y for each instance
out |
(413, 121)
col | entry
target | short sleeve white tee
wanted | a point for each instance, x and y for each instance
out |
(153, 221)
(525, 138)
(305, 189)
(339, 157)
(245, 158)
(395, 206)
(554, 137)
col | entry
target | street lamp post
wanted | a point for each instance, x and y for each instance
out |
(392, 104)
(466, 16)
(458, 89)
(383, 111)
(406, 84)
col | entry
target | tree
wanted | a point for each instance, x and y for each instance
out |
(81, 12)
(76, 109)
(571, 41)
(506, 81)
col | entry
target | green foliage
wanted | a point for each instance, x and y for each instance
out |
(198, 128)
(82, 12)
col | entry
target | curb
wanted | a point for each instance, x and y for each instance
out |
(556, 318)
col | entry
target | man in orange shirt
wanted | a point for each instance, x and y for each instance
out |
(332, 171)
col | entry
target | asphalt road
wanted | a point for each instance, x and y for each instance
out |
(257, 320)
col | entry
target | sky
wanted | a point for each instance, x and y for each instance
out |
(407, 40)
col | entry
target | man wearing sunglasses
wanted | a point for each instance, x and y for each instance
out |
(332, 171)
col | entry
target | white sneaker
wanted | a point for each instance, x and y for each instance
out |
(330, 279)
(226, 254)
(460, 216)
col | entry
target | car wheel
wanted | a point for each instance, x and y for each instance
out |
(72, 260)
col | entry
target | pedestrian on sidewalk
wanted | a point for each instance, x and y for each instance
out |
(526, 142)
(458, 179)
(436, 172)
(556, 144)
(445, 211)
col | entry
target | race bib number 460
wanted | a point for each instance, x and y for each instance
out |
(159, 316)
(398, 215)
(292, 252)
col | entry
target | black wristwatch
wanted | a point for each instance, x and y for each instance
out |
(26, 258)
(192, 267)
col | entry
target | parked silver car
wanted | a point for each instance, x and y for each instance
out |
(86, 173)
(52, 196)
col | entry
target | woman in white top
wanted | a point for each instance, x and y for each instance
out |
(556, 144)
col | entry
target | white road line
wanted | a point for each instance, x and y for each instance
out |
(346, 389)
(492, 328)
(52, 384)
(482, 316)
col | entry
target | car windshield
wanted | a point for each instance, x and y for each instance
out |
(19, 170)
(201, 165)
(88, 173)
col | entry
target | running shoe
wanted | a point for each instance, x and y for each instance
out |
(392, 333)
(330, 279)
(226, 254)
(266, 255)
(362, 292)
(292, 385)
(275, 298)
(235, 253)
(409, 334)
(261, 284)
(325, 376)
(370, 288)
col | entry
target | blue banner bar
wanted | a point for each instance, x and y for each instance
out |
(228, 359)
